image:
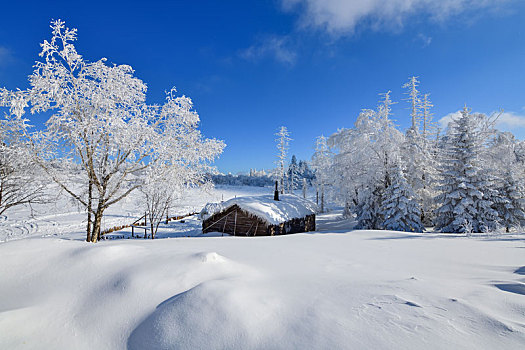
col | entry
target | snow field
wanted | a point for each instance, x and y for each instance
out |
(361, 289)
(61, 218)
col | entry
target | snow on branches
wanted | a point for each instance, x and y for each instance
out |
(102, 127)
(283, 140)
(465, 181)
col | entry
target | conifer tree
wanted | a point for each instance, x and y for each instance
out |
(368, 210)
(467, 190)
(400, 208)
(511, 203)
(294, 177)
(321, 162)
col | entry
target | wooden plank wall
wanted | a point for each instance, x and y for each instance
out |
(237, 222)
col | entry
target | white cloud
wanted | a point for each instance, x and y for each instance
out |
(345, 16)
(507, 121)
(274, 47)
(443, 122)
(425, 40)
(5, 55)
(511, 120)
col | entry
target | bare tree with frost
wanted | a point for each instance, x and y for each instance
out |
(283, 140)
(20, 180)
(428, 127)
(364, 154)
(414, 100)
(101, 123)
(172, 173)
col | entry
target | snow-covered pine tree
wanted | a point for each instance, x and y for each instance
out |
(417, 154)
(294, 177)
(467, 191)
(305, 172)
(400, 208)
(321, 163)
(506, 157)
(283, 141)
(368, 210)
(511, 202)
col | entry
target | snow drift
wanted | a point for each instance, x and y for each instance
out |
(358, 289)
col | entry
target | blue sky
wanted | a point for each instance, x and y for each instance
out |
(311, 65)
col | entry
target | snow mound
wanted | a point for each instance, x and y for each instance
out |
(210, 257)
(273, 212)
(224, 313)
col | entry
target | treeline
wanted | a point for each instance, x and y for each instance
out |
(296, 173)
(242, 180)
(466, 179)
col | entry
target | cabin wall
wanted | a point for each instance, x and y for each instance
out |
(298, 225)
(237, 222)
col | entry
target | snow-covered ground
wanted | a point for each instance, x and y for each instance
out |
(335, 288)
(63, 218)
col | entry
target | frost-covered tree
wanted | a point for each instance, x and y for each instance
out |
(321, 163)
(305, 172)
(414, 99)
(360, 167)
(428, 127)
(368, 209)
(20, 180)
(505, 158)
(418, 155)
(420, 171)
(102, 125)
(467, 190)
(294, 176)
(400, 208)
(283, 140)
(511, 202)
(164, 183)
(418, 151)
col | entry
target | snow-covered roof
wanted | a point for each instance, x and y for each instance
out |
(264, 207)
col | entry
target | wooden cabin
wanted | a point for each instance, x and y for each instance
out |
(260, 216)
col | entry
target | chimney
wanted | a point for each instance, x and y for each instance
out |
(276, 193)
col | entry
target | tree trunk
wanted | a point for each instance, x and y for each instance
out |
(95, 234)
(322, 198)
(90, 200)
